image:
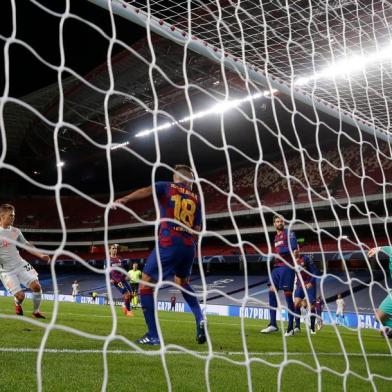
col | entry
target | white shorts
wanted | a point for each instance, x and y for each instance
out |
(24, 275)
(339, 312)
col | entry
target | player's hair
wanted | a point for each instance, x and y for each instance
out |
(185, 170)
(276, 217)
(6, 207)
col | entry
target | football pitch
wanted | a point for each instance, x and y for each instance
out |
(72, 362)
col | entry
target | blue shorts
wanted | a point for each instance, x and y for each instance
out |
(283, 278)
(300, 293)
(176, 260)
(123, 287)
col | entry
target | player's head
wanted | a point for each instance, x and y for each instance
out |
(278, 222)
(113, 250)
(134, 266)
(7, 215)
(75, 281)
(183, 174)
(339, 296)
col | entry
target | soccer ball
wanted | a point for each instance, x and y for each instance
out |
(386, 331)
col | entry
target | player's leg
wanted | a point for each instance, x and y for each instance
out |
(135, 289)
(384, 312)
(123, 287)
(319, 319)
(191, 299)
(273, 302)
(28, 277)
(11, 282)
(149, 277)
(18, 299)
(287, 283)
(298, 297)
(148, 306)
(127, 296)
(183, 271)
(35, 287)
(311, 291)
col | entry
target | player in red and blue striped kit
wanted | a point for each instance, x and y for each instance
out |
(119, 279)
(180, 214)
(306, 280)
(282, 275)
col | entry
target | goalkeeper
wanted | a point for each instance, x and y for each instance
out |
(384, 311)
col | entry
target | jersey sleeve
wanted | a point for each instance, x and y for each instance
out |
(160, 188)
(21, 238)
(387, 250)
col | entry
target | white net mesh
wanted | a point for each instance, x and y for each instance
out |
(289, 90)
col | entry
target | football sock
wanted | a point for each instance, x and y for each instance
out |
(290, 307)
(193, 302)
(147, 301)
(37, 296)
(298, 316)
(127, 303)
(273, 305)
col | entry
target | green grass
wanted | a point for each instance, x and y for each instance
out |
(225, 369)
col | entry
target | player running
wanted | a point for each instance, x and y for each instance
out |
(119, 280)
(308, 270)
(384, 311)
(15, 271)
(282, 275)
(176, 246)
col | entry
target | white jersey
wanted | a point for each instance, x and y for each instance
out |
(10, 258)
(339, 305)
(75, 289)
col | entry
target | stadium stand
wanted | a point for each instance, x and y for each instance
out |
(344, 179)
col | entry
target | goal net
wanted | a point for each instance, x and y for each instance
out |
(280, 108)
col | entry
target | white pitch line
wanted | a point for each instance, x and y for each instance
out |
(158, 352)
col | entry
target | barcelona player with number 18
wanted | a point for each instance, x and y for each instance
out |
(180, 214)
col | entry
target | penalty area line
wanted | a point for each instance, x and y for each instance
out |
(173, 352)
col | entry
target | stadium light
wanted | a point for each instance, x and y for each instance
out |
(219, 108)
(347, 66)
(118, 145)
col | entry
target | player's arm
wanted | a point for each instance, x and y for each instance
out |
(385, 249)
(143, 193)
(197, 223)
(34, 251)
(314, 271)
(293, 241)
(140, 194)
(374, 251)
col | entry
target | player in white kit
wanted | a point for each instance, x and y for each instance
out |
(15, 271)
(340, 305)
(75, 289)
